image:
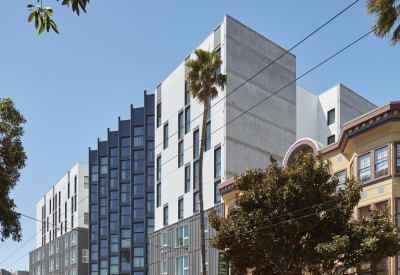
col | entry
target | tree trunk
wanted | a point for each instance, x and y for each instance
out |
(202, 147)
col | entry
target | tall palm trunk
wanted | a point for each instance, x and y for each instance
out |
(202, 147)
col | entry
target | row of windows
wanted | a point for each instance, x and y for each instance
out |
(138, 234)
(182, 265)
(373, 165)
(41, 269)
(115, 265)
(69, 259)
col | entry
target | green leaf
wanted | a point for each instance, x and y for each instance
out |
(30, 6)
(31, 15)
(47, 24)
(41, 28)
(53, 26)
(36, 19)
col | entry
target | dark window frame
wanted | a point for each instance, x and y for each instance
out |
(328, 116)
(329, 141)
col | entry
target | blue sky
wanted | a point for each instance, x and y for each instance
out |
(73, 86)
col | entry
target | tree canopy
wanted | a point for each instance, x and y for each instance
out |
(386, 18)
(299, 221)
(12, 159)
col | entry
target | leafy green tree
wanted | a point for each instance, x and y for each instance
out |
(12, 159)
(43, 15)
(203, 81)
(387, 18)
(298, 221)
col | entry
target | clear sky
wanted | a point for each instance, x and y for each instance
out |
(73, 86)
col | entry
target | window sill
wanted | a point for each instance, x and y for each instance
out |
(376, 180)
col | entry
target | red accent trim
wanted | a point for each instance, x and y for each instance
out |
(296, 146)
(360, 120)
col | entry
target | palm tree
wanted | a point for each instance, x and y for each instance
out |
(387, 14)
(203, 81)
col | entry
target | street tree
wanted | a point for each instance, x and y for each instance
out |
(12, 159)
(387, 22)
(42, 15)
(203, 81)
(298, 220)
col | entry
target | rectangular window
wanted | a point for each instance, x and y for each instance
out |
(150, 202)
(150, 150)
(93, 175)
(125, 169)
(331, 139)
(165, 268)
(113, 199)
(182, 237)
(85, 185)
(150, 176)
(364, 173)
(196, 202)
(208, 136)
(75, 184)
(217, 163)
(150, 225)
(159, 195)
(51, 249)
(165, 243)
(165, 215)
(114, 265)
(187, 120)
(138, 136)
(114, 244)
(103, 206)
(159, 168)
(217, 195)
(382, 266)
(114, 178)
(138, 232)
(138, 208)
(74, 238)
(69, 190)
(352, 169)
(125, 215)
(66, 258)
(398, 159)
(103, 248)
(180, 154)
(125, 238)
(187, 178)
(138, 185)
(93, 252)
(57, 263)
(73, 257)
(196, 144)
(103, 227)
(66, 242)
(182, 265)
(51, 265)
(125, 147)
(138, 257)
(103, 165)
(331, 116)
(158, 114)
(166, 136)
(195, 175)
(85, 256)
(125, 192)
(150, 125)
(181, 125)
(381, 162)
(364, 212)
(125, 260)
(114, 156)
(180, 209)
(341, 177)
(187, 93)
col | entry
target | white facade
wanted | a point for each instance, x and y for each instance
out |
(69, 193)
(312, 111)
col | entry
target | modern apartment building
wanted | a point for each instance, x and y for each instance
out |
(62, 236)
(245, 126)
(122, 195)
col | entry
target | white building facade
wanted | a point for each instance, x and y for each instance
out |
(62, 234)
